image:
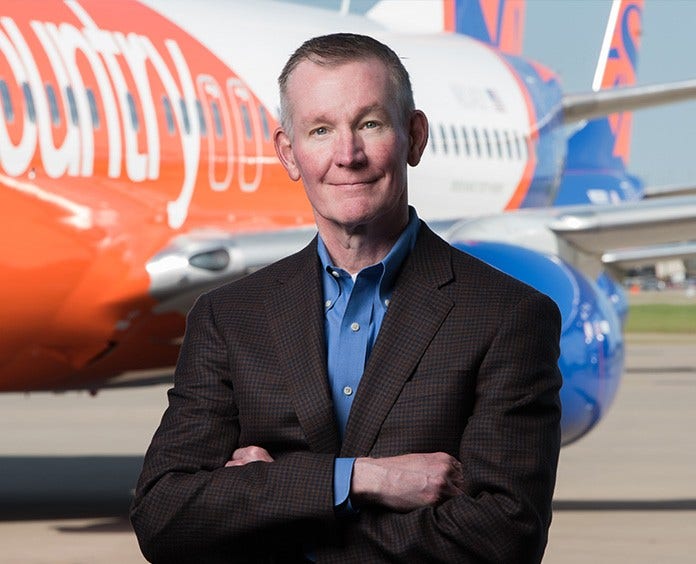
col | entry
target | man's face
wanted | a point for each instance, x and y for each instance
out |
(349, 143)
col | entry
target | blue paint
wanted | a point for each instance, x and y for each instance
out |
(469, 20)
(592, 347)
(550, 145)
(629, 46)
(591, 165)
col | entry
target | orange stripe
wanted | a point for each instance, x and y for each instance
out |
(449, 13)
(528, 173)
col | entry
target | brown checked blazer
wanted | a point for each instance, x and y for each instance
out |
(465, 363)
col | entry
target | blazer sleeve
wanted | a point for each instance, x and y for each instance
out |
(509, 451)
(187, 504)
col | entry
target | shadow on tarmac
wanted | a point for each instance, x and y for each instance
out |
(625, 505)
(68, 487)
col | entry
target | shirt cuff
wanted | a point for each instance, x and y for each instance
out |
(343, 472)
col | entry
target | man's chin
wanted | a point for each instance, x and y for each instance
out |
(359, 221)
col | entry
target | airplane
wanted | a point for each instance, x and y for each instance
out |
(137, 170)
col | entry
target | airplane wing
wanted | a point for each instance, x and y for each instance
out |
(591, 236)
(578, 107)
(599, 229)
(669, 190)
(645, 256)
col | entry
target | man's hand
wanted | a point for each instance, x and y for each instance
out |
(245, 455)
(406, 482)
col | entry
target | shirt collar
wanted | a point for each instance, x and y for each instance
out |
(390, 263)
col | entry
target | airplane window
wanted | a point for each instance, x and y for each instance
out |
(477, 142)
(168, 114)
(29, 101)
(431, 138)
(465, 137)
(185, 116)
(498, 144)
(264, 123)
(72, 104)
(94, 113)
(518, 151)
(7, 108)
(246, 120)
(487, 140)
(455, 139)
(507, 144)
(443, 135)
(133, 111)
(53, 105)
(216, 119)
(201, 118)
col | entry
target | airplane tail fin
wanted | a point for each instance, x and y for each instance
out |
(500, 23)
(599, 151)
(616, 67)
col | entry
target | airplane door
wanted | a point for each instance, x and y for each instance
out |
(220, 141)
(246, 119)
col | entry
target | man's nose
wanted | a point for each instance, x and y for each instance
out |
(349, 149)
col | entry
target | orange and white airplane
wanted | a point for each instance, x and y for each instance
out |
(137, 169)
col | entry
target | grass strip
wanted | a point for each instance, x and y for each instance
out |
(661, 318)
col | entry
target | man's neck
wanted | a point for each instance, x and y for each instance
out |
(353, 249)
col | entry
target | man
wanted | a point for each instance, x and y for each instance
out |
(379, 396)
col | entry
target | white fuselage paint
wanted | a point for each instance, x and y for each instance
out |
(458, 82)
(451, 77)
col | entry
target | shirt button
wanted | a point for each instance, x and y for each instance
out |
(386, 302)
(327, 303)
(355, 326)
(335, 274)
(347, 390)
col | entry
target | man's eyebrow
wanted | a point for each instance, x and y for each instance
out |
(372, 108)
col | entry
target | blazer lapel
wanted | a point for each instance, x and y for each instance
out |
(294, 312)
(417, 310)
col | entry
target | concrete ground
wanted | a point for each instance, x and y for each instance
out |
(625, 493)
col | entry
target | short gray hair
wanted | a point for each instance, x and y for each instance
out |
(341, 48)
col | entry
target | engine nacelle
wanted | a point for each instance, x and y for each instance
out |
(592, 345)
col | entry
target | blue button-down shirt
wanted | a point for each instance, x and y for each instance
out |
(354, 307)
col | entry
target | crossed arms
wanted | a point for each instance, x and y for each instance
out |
(209, 488)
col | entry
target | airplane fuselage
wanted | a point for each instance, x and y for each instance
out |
(120, 130)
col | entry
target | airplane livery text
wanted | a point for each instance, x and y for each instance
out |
(135, 81)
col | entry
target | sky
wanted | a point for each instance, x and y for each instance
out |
(566, 35)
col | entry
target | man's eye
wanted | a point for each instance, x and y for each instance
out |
(320, 131)
(371, 124)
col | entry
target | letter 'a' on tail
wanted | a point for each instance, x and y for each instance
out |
(617, 65)
(598, 153)
(499, 23)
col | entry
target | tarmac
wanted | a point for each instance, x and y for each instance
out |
(625, 493)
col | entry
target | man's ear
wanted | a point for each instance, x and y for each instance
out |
(283, 147)
(417, 137)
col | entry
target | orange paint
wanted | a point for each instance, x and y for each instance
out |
(512, 26)
(450, 15)
(74, 242)
(621, 71)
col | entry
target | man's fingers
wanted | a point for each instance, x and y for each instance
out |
(245, 455)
